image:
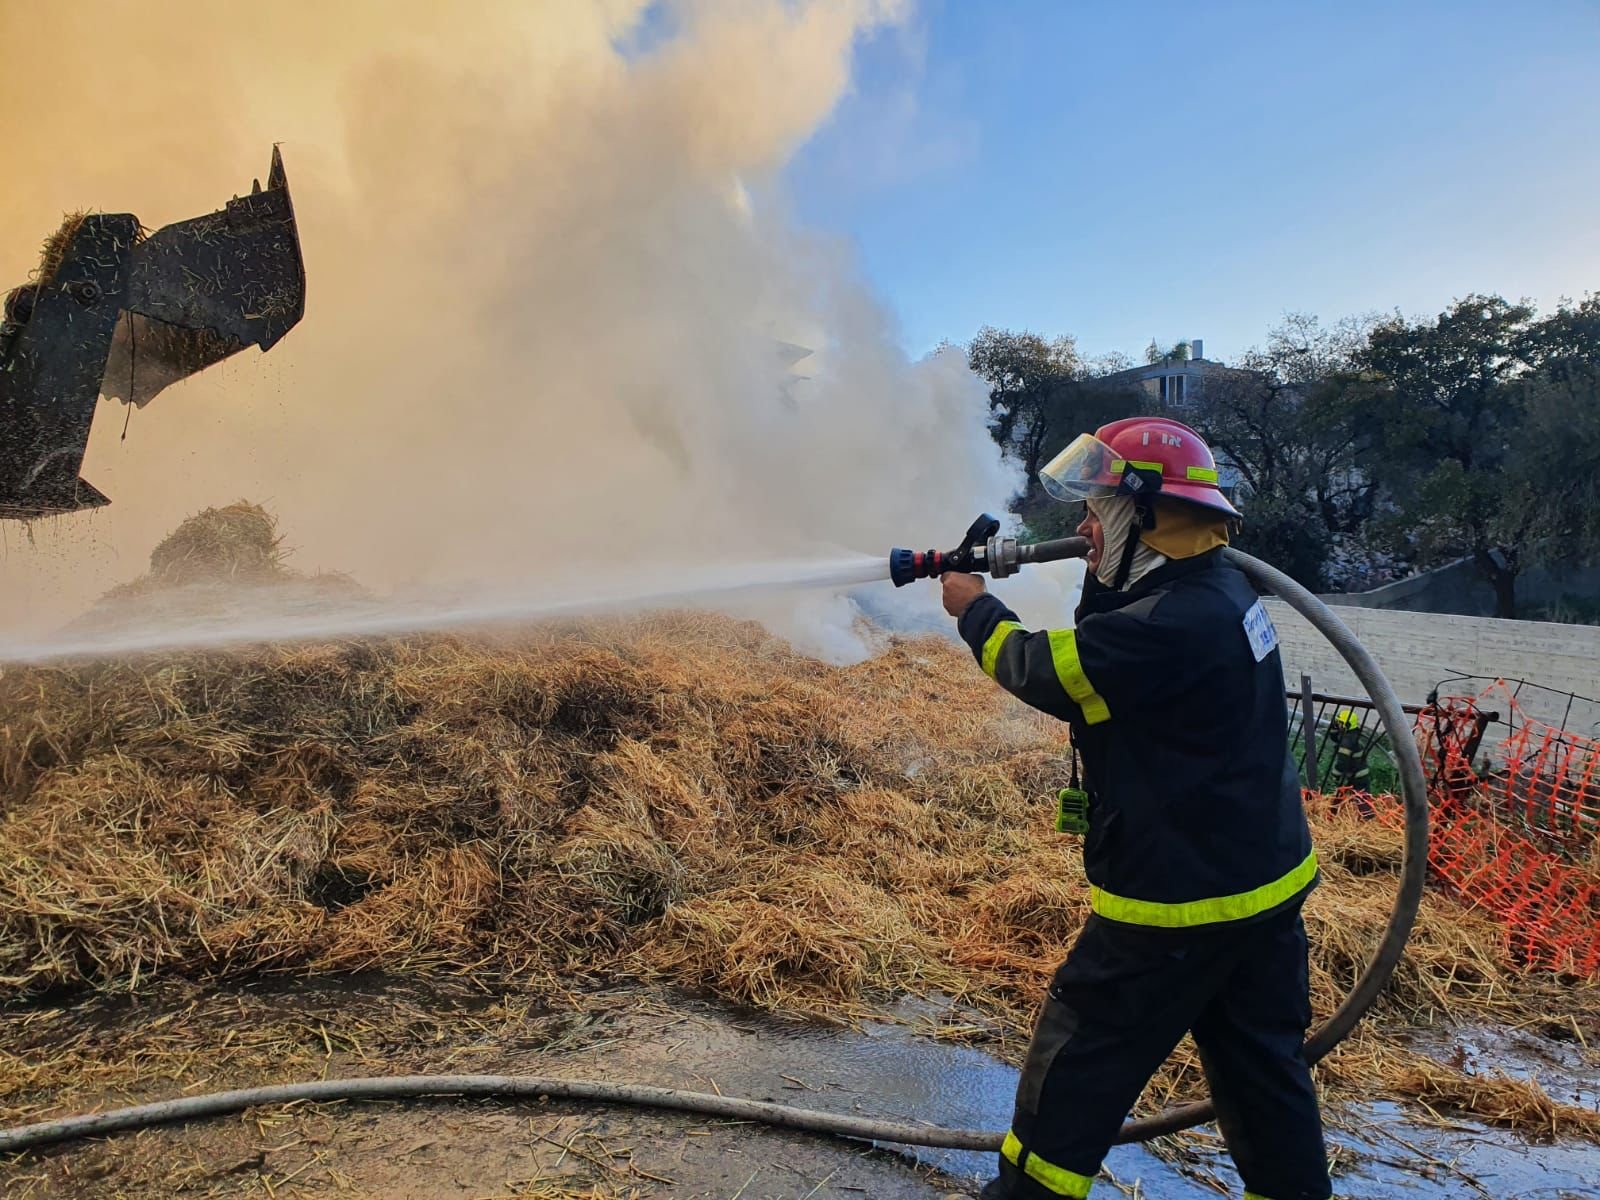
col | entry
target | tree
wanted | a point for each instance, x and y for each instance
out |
(1555, 454)
(1289, 421)
(1300, 350)
(1041, 396)
(1025, 373)
(1286, 533)
(1554, 465)
(1568, 337)
(1475, 434)
(1449, 413)
(1153, 354)
(1110, 363)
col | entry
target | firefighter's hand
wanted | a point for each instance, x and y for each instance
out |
(960, 591)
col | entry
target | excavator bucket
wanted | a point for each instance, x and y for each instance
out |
(120, 314)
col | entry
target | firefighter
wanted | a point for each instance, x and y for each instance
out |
(1196, 846)
(1351, 774)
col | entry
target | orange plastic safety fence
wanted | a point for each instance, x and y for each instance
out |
(1515, 826)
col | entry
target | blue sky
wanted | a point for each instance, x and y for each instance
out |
(1127, 171)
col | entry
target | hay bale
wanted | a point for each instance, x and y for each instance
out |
(239, 543)
(219, 566)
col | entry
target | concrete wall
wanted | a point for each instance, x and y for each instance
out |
(1458, 588)
(1418, 650)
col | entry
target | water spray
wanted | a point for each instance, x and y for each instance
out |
(983, 551)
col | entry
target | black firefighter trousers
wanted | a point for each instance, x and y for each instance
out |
(1115, 1011)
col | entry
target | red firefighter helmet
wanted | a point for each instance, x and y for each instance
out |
(1139, 456)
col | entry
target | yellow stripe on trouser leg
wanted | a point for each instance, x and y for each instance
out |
(1064, 652)
(1058, 1179)
(991, 648)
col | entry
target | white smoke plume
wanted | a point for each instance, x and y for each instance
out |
(547, 278)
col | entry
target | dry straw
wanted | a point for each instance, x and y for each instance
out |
(679, 798)
(54, 251)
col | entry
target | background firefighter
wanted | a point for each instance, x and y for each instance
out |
(1352, 777)
(1197, 849)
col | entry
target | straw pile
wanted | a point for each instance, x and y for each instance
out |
(680, 799)
(237, 542)
(220, 563)
(51, 255)
(54, 251)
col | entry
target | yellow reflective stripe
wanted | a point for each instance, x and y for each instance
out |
(1058, 1179)
(1203, 474)
(1119, 464)
(1069, 669)
(1204, 912)
(991, 648)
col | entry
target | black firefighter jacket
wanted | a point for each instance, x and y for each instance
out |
(1174, 690)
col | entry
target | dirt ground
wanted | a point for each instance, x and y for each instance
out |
(898, 1068)
(469, 1149)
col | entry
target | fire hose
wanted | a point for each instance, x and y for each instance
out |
(983, 550)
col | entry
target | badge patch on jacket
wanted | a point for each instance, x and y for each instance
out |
(1258, 627)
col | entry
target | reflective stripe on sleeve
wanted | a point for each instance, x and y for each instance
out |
(1058, 1179)
(1204, 912)
(1069, 669)
(997, 639)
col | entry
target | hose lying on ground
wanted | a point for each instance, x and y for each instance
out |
(1365, 990)
(524, 1087)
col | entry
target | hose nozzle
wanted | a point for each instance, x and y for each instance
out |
(982, 551)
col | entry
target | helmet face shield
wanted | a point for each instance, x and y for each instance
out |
(1138, 457)
(1083, 471)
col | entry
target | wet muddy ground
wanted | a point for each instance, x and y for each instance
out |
(186, 1041)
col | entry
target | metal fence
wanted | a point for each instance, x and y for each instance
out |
(1514, 799)
(1316, 756)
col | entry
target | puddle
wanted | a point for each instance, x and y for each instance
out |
(1566, 1069)
(1399, 1157)
(887, 1069)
